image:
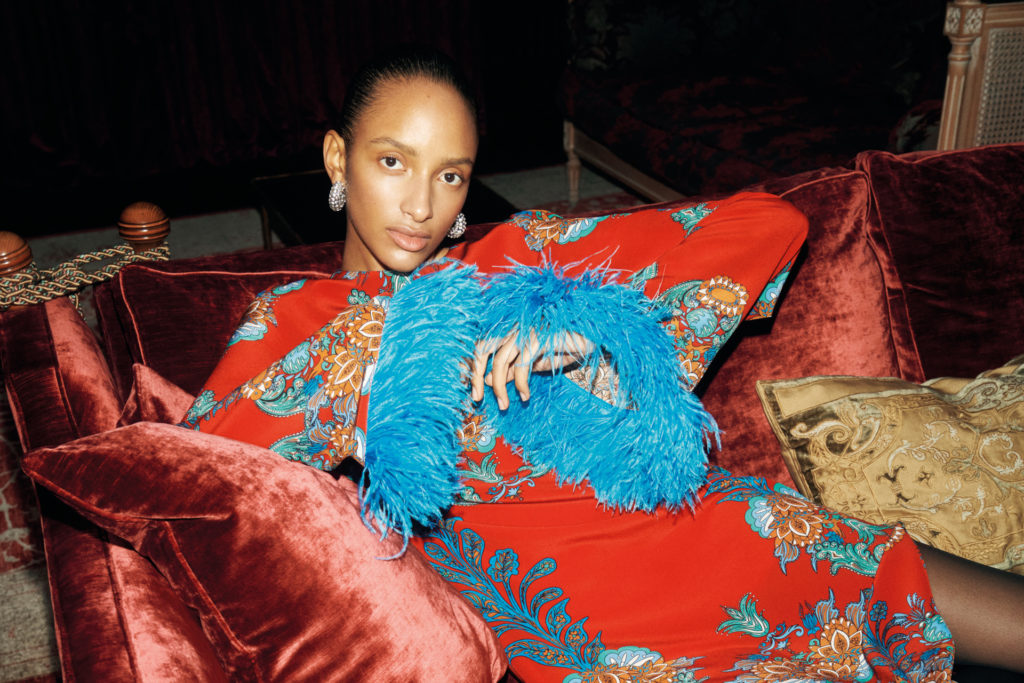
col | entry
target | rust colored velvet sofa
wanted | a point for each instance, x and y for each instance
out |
(912, 269)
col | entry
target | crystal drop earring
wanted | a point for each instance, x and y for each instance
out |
(337, 196)
(458, 227)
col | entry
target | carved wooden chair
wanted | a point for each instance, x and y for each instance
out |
(984, 99)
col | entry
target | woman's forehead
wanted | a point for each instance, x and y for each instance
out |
(419, 112)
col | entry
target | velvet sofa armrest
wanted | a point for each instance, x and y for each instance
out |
(57, 380)
(114, 614)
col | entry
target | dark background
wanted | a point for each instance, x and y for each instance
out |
(184, 103)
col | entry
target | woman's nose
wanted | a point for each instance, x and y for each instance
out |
(417, 202)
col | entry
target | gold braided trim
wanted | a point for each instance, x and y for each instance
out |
(33, 285)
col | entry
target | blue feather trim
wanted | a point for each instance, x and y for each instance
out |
(417, 400)
(651, 447)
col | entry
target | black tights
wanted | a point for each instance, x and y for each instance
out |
(983, 607)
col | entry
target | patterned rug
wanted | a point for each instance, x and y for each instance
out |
(28, 648)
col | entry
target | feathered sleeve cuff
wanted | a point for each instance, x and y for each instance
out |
(649, 446)
(418, 400)
(646, 448)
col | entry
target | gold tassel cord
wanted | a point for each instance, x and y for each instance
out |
(33, 285)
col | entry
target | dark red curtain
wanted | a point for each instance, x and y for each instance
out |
(118, 89)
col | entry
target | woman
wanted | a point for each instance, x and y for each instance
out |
(600, 548)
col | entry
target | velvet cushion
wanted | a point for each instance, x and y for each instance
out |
(842, 313)
(944, 457)
(154, 399)
(955, 223)
(323, 257)
(178, 322)
(156, 623)
(165, 642)
(274, 556)
(92, 617)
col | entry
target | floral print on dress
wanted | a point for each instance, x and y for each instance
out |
(691, 216)
(796, 527)
(844, 641)
(703, 315)
(258, 318)
(483, 481)
(551, 637)
(544, 228)
(476, 433)
(321, 379)
(723, 295)
(764, 307)
(640, 278)
(639, 665)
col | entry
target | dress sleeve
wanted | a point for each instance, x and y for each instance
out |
(291, 378)
(276, 321)
(713, 264)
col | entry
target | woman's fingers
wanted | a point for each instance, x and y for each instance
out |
(504, 359)
(479, 368)
(521, 376)
(512, 363)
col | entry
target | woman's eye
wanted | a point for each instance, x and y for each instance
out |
(391, 162)
(451, 178)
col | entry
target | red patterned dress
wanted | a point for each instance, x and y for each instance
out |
(750, 583)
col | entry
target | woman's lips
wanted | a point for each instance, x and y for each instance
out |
(408, 240)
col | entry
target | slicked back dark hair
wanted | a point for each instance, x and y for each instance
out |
(405, 62)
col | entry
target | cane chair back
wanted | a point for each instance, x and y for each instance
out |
(984, 99)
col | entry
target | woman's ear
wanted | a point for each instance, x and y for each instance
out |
(334, 156)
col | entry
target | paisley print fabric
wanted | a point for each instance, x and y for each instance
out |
(313, 391)
(752, 583)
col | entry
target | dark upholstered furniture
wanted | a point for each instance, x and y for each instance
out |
(911, 269)
(681, 99)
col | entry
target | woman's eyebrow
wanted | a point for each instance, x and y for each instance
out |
(402, 147)
(410, 151)
(458, 162)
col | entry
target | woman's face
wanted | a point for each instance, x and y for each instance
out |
(407, 170)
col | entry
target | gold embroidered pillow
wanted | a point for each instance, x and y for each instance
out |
(945, 458)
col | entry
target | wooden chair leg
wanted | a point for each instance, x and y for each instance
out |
(268, 238)
(573, 163)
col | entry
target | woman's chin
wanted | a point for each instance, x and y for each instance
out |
(406, 261)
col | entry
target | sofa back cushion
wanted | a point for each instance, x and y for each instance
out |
(843, 313)
(955, 223)
(177, 316)
(178, 323)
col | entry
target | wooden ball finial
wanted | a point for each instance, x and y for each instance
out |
(15, 254)
(143, 225)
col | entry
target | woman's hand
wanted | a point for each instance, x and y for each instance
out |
(512, 363)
